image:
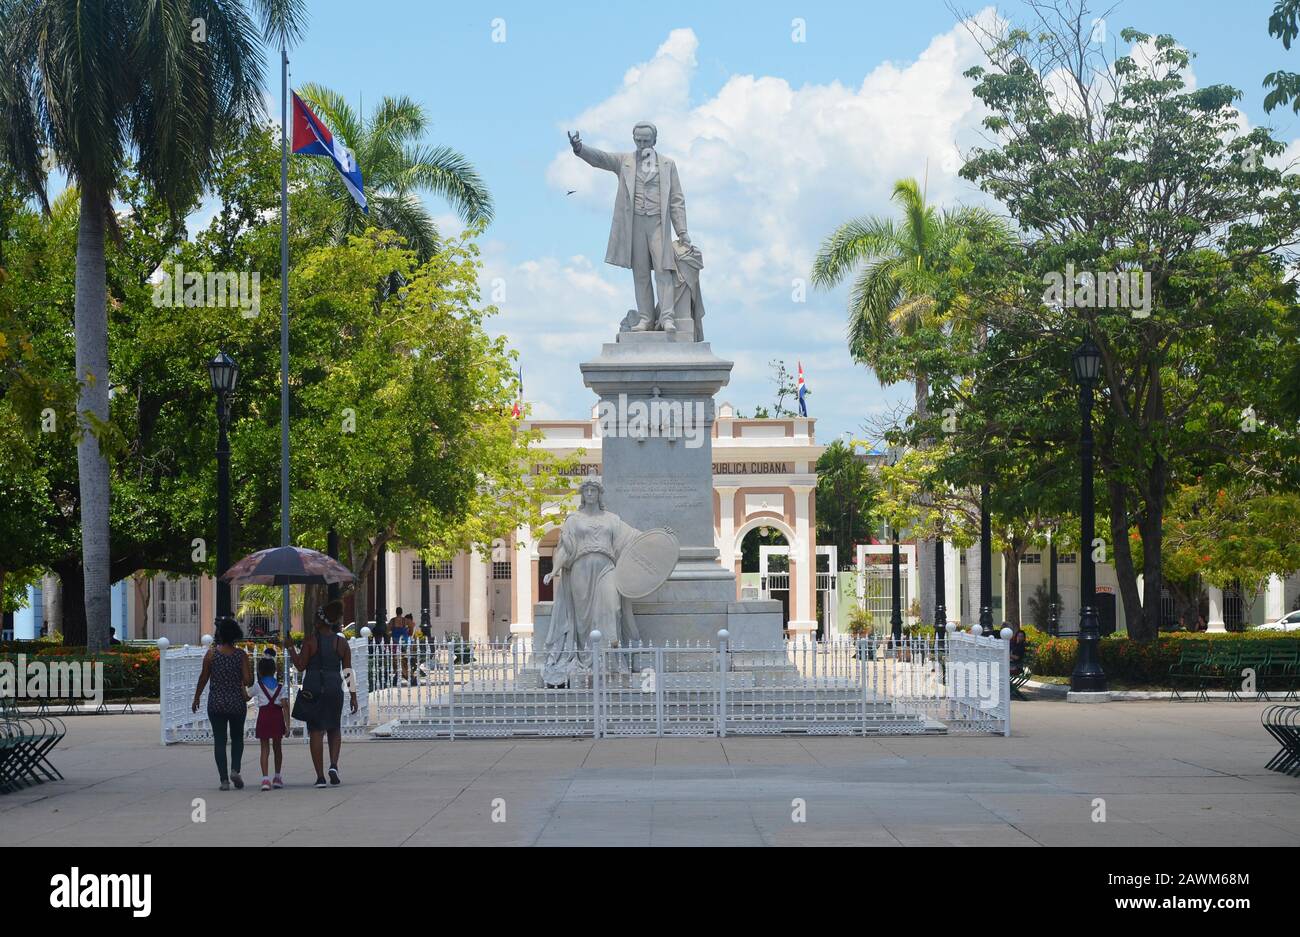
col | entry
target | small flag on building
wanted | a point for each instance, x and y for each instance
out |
(518, 410)
(803, 390)
(312, 138)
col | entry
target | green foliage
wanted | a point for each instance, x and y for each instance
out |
(397, 166)
(847, 501)
(1130, 662)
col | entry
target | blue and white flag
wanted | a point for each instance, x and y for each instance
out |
(312, 138)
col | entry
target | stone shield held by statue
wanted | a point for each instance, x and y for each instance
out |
(646, 562)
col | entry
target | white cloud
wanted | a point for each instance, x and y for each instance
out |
(768, 171)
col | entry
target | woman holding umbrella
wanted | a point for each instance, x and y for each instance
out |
(324, 657)
(326, 654)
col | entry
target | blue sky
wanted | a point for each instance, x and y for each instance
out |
(776, 142)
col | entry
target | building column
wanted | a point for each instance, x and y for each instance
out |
(522, 572)
(1274, 598)
(1215, 622)
(478, 611)
(804, 571)
(973, 584)
(952, 580)
(727, 529)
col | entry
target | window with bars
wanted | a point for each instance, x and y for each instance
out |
(1032, 558)
(178, 601)
(439, 570)
(501, 570)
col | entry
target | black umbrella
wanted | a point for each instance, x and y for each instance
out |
(284, 566)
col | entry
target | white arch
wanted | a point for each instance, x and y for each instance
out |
(753, 523)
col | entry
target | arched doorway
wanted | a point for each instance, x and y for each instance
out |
(761, 571)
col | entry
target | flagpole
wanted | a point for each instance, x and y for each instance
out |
(284, 325)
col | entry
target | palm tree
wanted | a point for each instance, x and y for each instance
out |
(900, 287)
(396, 167)
(94, 87)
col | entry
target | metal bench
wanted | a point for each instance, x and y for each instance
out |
(1186, 672)
(25, 746)
(1283, 723)
(1020, 675)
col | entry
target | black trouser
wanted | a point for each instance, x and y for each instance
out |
(221, 727)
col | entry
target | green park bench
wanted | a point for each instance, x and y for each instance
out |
(1251, 655)
(1283, 723)
(1021, 677)
(1186, 672)
(1283, 670)
(25, 745)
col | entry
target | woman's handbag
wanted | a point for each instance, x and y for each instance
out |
(306, 703)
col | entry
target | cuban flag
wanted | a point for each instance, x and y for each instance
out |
(518, 410)
(803, 389)
(312, 138)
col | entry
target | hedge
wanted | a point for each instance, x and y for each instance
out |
(133, 670)
(1128, 661)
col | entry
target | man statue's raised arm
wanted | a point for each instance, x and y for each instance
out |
(589, 154)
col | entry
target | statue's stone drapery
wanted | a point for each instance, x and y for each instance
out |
(586, 598)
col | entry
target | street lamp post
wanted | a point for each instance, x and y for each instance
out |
(425, 624)
(986, 563)
(224, 374)
(381, 591)
(940, 599)
(1053, 610)
(896, 613)
(1088, 677)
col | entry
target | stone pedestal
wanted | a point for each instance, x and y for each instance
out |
(655, 419)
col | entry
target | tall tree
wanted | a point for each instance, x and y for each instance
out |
(397, 166)
(1124, 175)
(902, 284)
(86, 86)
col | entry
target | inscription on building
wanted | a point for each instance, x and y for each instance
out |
(753, 468)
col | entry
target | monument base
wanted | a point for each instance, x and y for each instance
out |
(676, 617)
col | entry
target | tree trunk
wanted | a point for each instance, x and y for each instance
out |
(924, 546)
(91, 327)
(1011, 582)
(72, 611)
(142, 590)
(1122, 555)
(313, 598)
(1152, 529)
(54, 618)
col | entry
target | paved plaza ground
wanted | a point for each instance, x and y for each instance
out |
(1170, 774)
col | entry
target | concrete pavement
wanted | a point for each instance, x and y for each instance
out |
(1168, 773)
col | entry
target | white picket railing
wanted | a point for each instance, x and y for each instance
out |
(179, 669)
(452, 688)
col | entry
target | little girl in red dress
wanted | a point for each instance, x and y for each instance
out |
(272, 716)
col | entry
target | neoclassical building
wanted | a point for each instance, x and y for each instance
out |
(764, 478)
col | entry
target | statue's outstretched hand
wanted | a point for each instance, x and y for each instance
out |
(575, 141)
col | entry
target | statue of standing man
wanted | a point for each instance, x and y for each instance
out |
(649, 207)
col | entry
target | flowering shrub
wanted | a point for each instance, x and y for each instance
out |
(1131, 662)
(126, 669)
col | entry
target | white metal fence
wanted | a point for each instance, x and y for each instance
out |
(838, 686)
(179, 669)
